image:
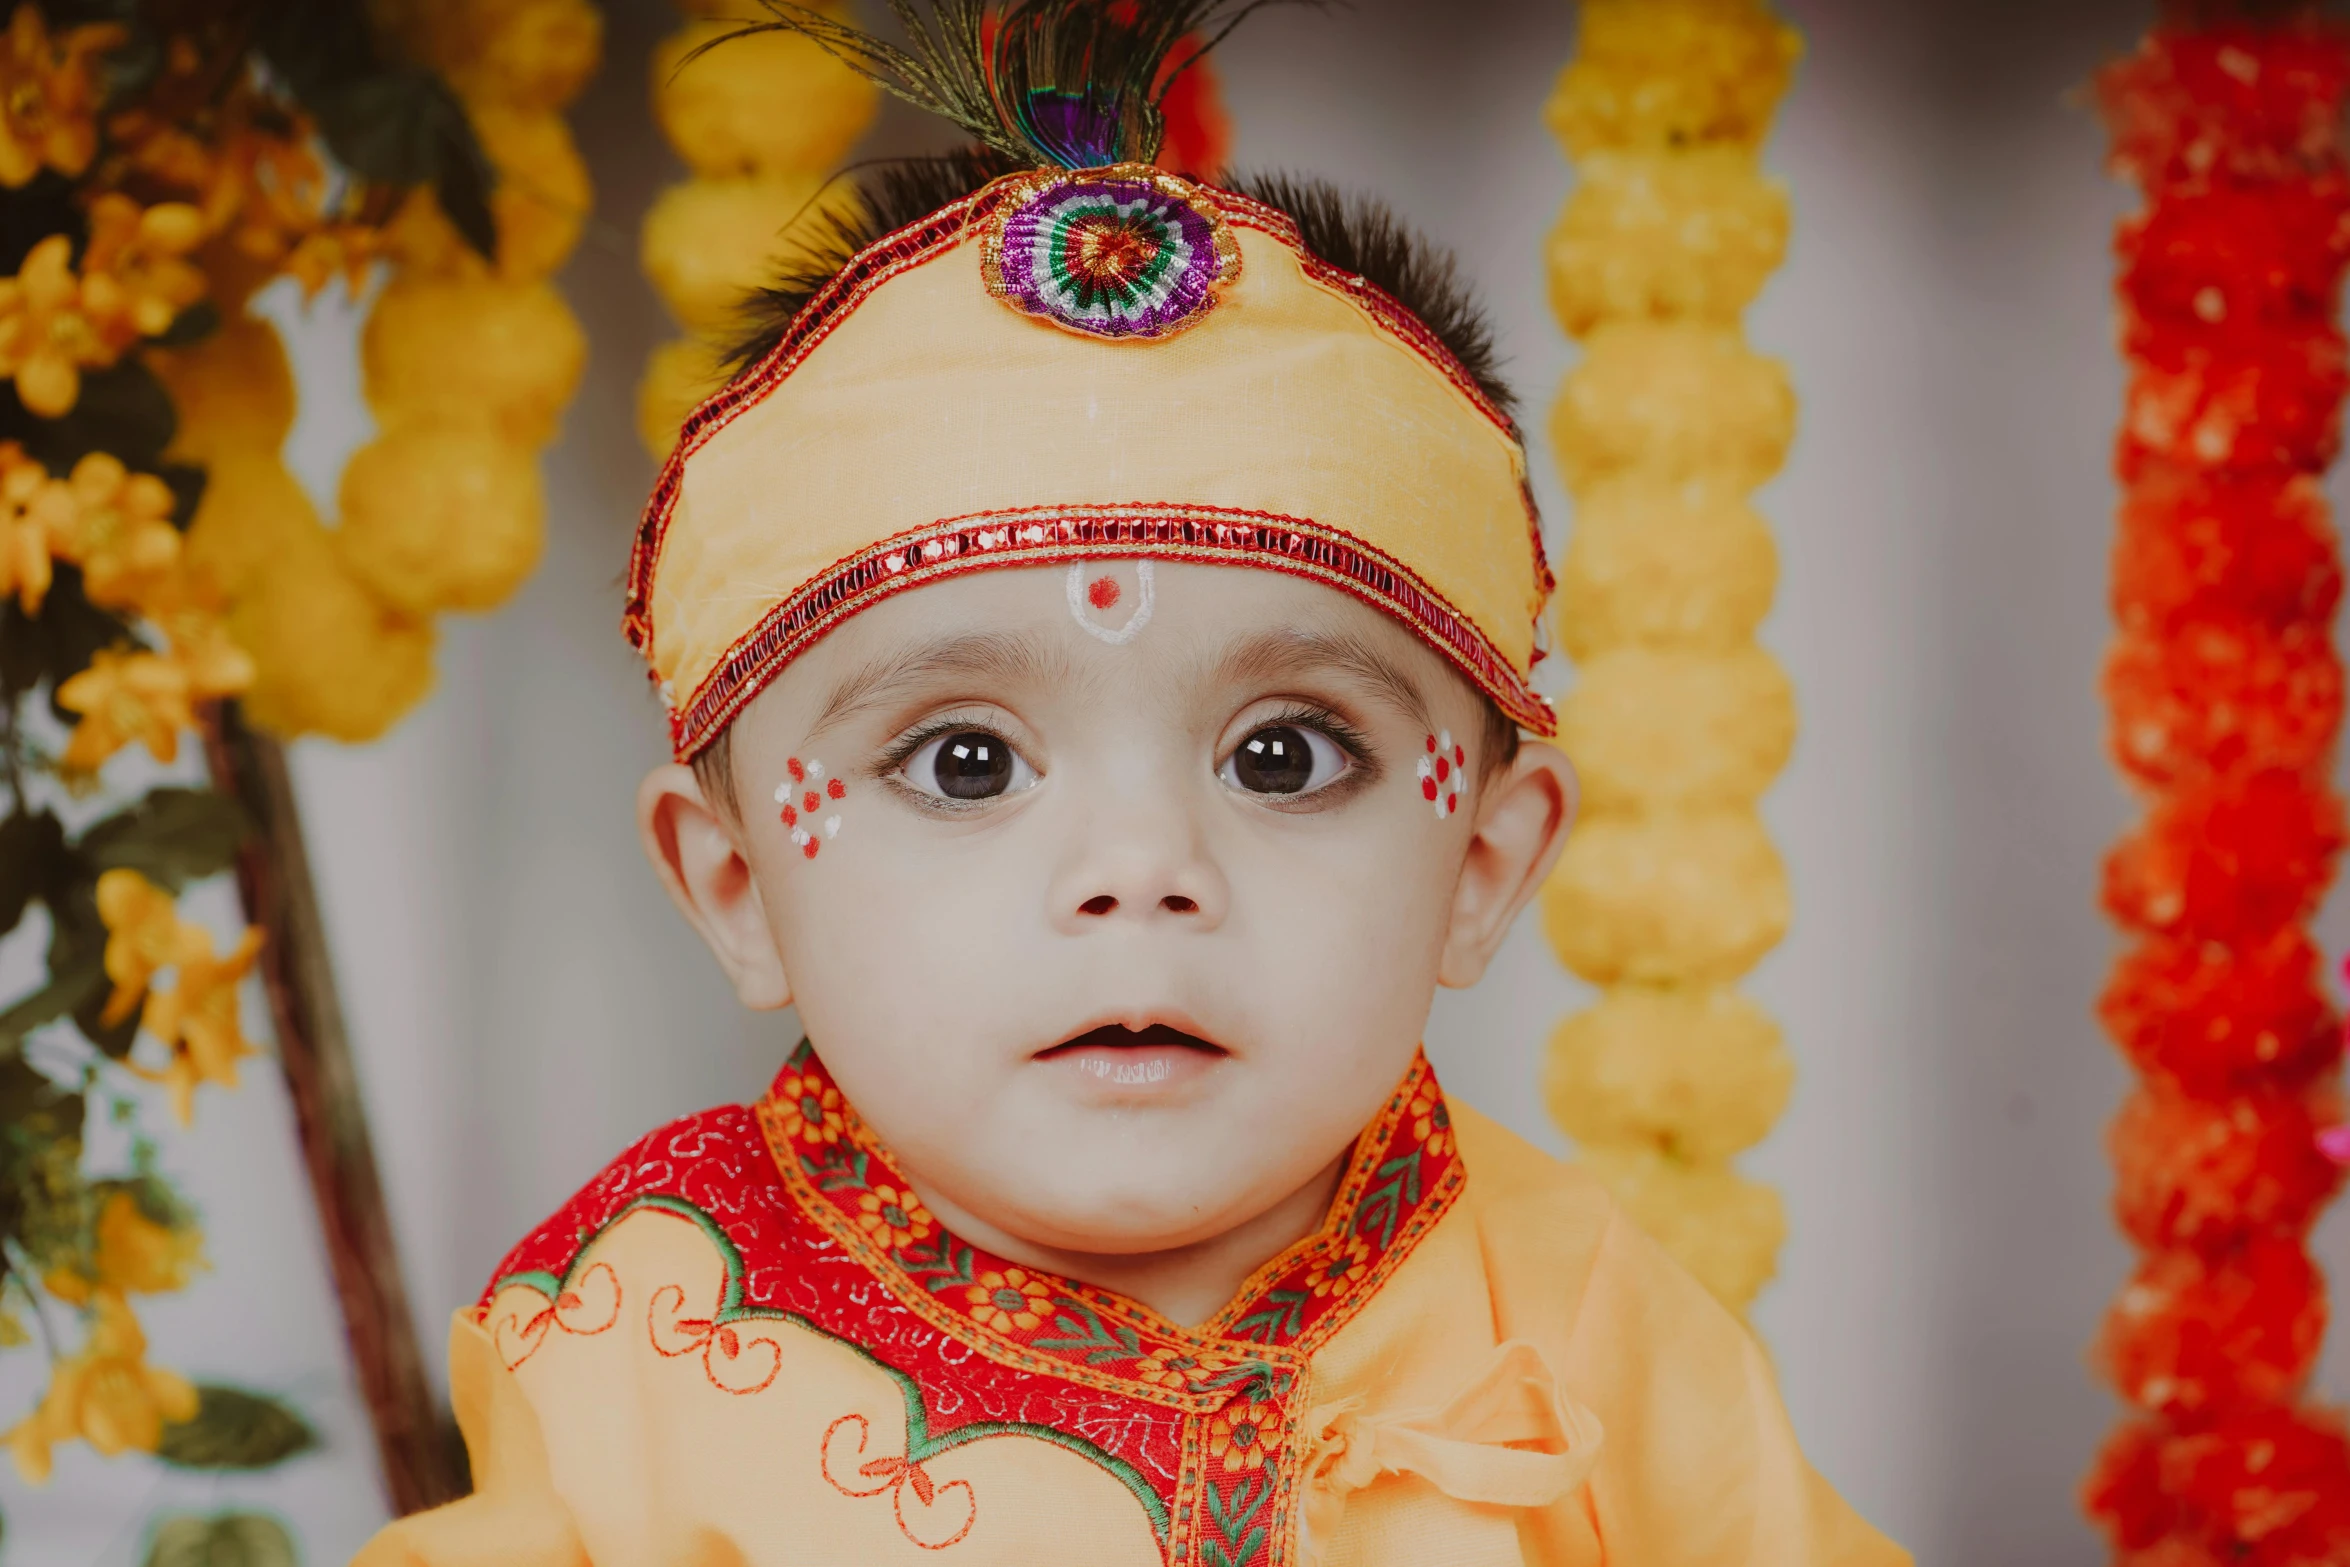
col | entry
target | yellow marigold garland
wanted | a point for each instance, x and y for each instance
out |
(468, 366)
(756, 167)
(1670, 890)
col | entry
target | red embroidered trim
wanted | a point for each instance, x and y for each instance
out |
(1049, 535)
(1404, 1175)
(920, 242)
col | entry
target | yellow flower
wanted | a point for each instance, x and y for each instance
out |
(143, 936)
(893, 1218)
(204, 651)
(1244, 1434)
(47, 336)
(234, 393)
(506, 355)
(344, 250)
(1432, 1122)
(329, 656)
(105, 1394)
(135, 278)
(138, 1255)
(48, 100)
(197, 1019)
(1340, 1274)
(541, 199)
(25, 566)
(1180, 1369)
(809, 1109)
(1012, 1299)
(116, 526)
(125, 696)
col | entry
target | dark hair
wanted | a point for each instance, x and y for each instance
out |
(1354, 234)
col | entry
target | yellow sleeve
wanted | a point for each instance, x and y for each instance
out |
(1698, 1466)
(514, 1518)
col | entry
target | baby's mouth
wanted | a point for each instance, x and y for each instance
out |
(1121, 1057)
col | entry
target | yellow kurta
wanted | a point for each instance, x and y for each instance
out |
(747, 1345)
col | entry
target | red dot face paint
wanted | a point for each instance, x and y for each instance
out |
(804, 794)
(1440, 773)
(1103, 593)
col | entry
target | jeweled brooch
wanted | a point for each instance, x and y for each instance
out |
(1127, 251)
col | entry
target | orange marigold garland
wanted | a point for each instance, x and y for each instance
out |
(2226, 699)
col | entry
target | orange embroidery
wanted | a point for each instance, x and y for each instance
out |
(1010, 1299)
(893, 1218)
(1339, 1274)
(582, 1308)
(897, 1476)
(1244, 1434)
(808, 1107)
(729, 1350)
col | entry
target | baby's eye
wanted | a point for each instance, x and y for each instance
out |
(1285, 759)
(968, 764)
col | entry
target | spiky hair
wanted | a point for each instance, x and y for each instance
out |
(1354, 234)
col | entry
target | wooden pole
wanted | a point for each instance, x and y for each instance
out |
(421, 1467)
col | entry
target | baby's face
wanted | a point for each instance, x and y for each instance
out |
(1115, 900)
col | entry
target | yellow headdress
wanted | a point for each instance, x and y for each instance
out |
(1101, 360)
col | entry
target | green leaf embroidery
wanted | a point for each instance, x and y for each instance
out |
(172, 837)
(234, 1429)
(1234, 1516)
(1384, 1202)
(1103, 1345)
(226, 1540)
(1280, 1318)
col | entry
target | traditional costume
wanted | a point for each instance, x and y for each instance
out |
(747, 1342)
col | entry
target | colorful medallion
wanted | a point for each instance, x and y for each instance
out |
(1123, 252)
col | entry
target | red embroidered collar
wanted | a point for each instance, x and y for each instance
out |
(1404, 1175)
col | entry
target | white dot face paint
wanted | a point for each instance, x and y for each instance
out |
(802, 797)
(1111, 600)
(1440, 772)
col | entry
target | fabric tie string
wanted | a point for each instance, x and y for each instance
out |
(1509, 1439)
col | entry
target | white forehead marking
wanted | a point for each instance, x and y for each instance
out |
(1079, 610)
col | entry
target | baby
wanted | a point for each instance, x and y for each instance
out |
(1096, 627)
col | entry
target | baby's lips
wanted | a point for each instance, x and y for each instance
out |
(2334, 1143)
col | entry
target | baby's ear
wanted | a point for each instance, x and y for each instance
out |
(1523, 813)
(695, 851)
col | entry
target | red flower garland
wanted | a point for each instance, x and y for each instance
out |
(2226, 698)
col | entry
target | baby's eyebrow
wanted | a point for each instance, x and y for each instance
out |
(993, 657)
(1270, 656)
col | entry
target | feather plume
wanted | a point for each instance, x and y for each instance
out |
(1070, 84)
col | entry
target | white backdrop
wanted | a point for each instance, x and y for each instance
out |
(525, 1003)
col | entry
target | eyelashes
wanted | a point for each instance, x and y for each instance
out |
(1300, 756)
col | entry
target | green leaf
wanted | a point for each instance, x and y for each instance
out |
(192, 325)
(32, 856)
(123, 410)
(404, 127)
(56, 644)
(69, 989)
(172, 837)
(227, 1540)
(234, 1429)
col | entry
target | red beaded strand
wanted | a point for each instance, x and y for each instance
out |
(2226, 698)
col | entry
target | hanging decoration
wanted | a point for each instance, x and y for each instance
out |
(468, 363)
(2226, 700)
(155, 565)
(1669, 889)
(762, 123)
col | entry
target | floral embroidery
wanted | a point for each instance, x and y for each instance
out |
(1339, 1274)
(1119, 253)
(731, 1352)
(583, 1308)
(1010, 1299)
(896, 1476)
(1173, 1366)
(1244, 1434)
(808, 1107)
(893, 1218)
(1432, 1122)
